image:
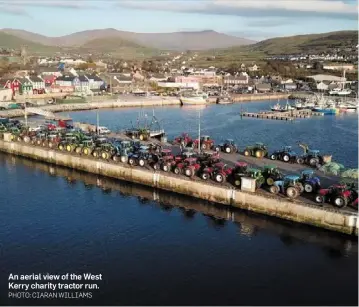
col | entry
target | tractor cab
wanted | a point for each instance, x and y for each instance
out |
(229, 142)
(166, 152)
(126, 144)
(87, 143)
(307, 174)
(222, 167)
(270, 169)
(101, 140)
(254, 173)
(190, 161)
(260, 145)
(205, 138)
(144, 148)
(291, 180)
(241, 167)
(313, 153)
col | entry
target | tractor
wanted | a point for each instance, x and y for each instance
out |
(140, 133)
(257, 175)
(340, 195)
(259, 150)
(184, 139)
(240, 170)
(69, 139)
(271, 173)
(163, 160)
(191, 167)
(286, 154)
(205, 144)
(310, 182)
(312, 157)
(228, 146)
(219, 172)
(139, 158)
(288, 186)
(208, 157)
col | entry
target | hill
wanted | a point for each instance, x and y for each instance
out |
(13, 42)
(314, 43)
(179, 41)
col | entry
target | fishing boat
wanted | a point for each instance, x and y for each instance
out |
(347, 107)
(340, 92)
(287, 108)
(198, 98)
(326, 110)
(277, 107)
(225, 100)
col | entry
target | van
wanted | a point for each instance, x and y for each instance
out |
(103, 130)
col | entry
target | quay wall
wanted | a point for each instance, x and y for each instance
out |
(295, 210)
(256, 97)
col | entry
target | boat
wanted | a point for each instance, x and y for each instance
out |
(198, 98)
(340, 92)
(326, 110)
(277, 107)
(347, 107)
(224, 100)
(287, 108)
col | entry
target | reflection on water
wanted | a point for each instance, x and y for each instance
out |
(156, 247)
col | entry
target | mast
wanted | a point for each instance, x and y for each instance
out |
(199, 131)
(97, 121)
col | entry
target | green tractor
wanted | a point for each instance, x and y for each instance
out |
(271, 173)
(259, 150)
(68, 143)
(85, 143)
(257, 175)
(15, 133)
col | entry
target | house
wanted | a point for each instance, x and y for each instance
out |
(65, 81)
(289, 86)
(26, 86)
(38, 84)
(95, 83)
(263, 87)
(253, 68)
(14, 84)
(81, 84)
(5, 94)
(235, 80)
(49, 80)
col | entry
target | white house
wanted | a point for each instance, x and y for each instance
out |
(6, 94)
(95, 82)
(37, 83)
(253, 68)
(321, 86)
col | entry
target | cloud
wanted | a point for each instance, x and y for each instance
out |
(66, 4)
(9, 10)
(252, 8)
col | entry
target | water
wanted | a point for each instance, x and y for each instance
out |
(337, 135)
(157, 248)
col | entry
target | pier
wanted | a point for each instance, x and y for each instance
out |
(294, 210)
(288, 116)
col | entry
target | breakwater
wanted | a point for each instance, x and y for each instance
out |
(293, 210)
(258, 97)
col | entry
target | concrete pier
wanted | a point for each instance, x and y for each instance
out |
(293, 210)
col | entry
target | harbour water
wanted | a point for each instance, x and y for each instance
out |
(157, 248)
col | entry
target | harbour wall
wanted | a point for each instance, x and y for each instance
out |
(256, 97)
(293, 210)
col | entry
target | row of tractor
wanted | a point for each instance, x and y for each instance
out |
(311, 157)
(188, 162)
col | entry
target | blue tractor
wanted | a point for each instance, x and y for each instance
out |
(289, 186)
(312, 157)
(310, 182)
(286, 154)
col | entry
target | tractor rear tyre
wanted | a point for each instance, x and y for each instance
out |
(205, 176)
(141, 162)
(274, 189)
(313, 162)
(300, 187)
(177, 170)
(220, 178)
(166, 167)
(26, 139)
(69, 148)
(286, 158)
(300, 160)
(78, 150)
(217, 148)
(292, 192)
(189, 172)
(86, 151)
(124, 159)
(131, 161)
(38, 142)
(308, 188)
(116, 158)
(141, 137)
(273, 157)
(237, 183)
(340, 201)
(96, 154)
(50, 144)
(270, 181)
(259, 154)
(61, 147)
(156, 166)
(105, 155)
(247, 153)
(228, 149)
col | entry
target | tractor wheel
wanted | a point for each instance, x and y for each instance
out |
(340, 201)
(270, 181)
(286, 158)
(217, 148)
(228, 150)
(50, 144)
(205, 176)
(141, 162)
(131, 161)
(237, 183)
(19, 139)
(96, 154)
(116, 158)
(61, 147)
(300, 160)
(204, 146)
(247, 153)
(33, 142)
(44, 143)
(166, 167)
(141, 137)
(68, 148)
(177, 170)
(300, 187)
(124, 159)
(78, 150)
(189, 172)
(220, 178)
(38, 142)
(319, 199)
(292, 192)
(259, 154)
(313, 162)
(274, 189)
(86, 151)
(156, 166)
(26, 139)
(308, 188)
(105, 155)
(273, 157)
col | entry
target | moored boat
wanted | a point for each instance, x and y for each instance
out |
(194, 99)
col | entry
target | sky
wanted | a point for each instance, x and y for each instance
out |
(253, 19)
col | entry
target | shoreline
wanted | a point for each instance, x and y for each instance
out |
(117, 104)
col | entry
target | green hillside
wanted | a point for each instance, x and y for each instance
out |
(13, 42)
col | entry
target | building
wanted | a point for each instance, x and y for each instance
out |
(38, 84)
(321, 86)
(290, 86)
(235, 80)
(263, 87)
(348, 67)
(5, 94)
(319, 78)
(49, 80)
(27, 87)
(95, 83)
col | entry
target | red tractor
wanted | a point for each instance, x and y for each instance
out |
(189, 167)
(184, 139)
(165, 160)
(219, 172)
(340, 195)
(206, 143)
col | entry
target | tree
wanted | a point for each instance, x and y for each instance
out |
(89, 59)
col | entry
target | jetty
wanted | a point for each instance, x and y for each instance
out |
(289, 115)
(297, 210)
